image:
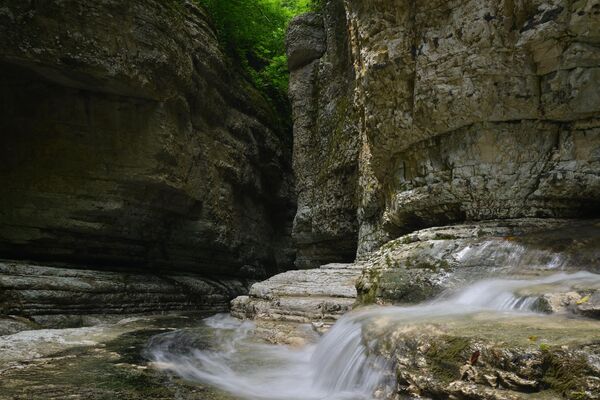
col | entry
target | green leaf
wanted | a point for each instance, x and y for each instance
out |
(253, 33)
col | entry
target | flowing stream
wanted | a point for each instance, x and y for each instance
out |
(225, 354)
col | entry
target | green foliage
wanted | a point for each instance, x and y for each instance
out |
(253, 33)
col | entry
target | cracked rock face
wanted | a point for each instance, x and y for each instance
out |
(490, 357)
(479, 110)
(422, 265)
(325, 138)
(465, 110)
(302, 296)
(126, 141)
(66, 297)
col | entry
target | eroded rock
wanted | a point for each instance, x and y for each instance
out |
(305, 40)
(302, 296)
(421, 265)
(434, 359)
(66, 297)
(325, 138)
(128, 141)
(463, 110)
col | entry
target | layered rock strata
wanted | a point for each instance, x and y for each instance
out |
(494, 358)
(479, 110)
(319, 295)
(129, 139)
(421, 265)
(325, 138)
(67, 297)
(464, 110)
(472, 349)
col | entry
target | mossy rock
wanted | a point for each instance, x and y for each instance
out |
(446, 355)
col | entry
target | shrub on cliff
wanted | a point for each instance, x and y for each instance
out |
(253, 33)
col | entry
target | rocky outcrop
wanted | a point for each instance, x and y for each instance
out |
(325, 138)
(316, 295)
(129, 140)
(464, 110)
(431, 262)
(584, 301)
(479, 110)
(67, 297)
(419, 266)
(495, 358)
(477, 132)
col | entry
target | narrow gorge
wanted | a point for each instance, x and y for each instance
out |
(418, 219)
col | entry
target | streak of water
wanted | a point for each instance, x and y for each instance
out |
(339, 366)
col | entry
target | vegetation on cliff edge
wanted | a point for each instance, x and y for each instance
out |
(253, 34)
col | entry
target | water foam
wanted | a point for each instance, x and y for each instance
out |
(339, 367)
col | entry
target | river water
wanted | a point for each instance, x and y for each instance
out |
(224, 352)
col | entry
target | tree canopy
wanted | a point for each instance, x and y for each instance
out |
(253, 33)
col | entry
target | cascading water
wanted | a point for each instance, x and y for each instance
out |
(237, 364)
(339, 366)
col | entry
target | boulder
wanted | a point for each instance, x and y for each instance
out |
(318, 296)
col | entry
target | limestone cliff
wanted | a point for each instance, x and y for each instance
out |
(129, 140)
(464, 110)
(325, 137)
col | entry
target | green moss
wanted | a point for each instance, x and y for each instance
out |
(428, 264)
(367, 296)
(446, 355)
(444, 236)
(389, 262)
(565, 373)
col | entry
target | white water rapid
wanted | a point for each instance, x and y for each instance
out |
(224, 354)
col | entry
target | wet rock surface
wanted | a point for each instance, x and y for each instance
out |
(582, 300)
(421, 265)
(103, 362)
(67, 297)
(492, 357)
(13, 324)
(315, 295)
(482, 342)
(479, 342)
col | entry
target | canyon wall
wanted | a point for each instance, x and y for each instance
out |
(464, 110)
(325, 137)
(129, 140)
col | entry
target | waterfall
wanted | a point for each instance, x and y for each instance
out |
(339, 366)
